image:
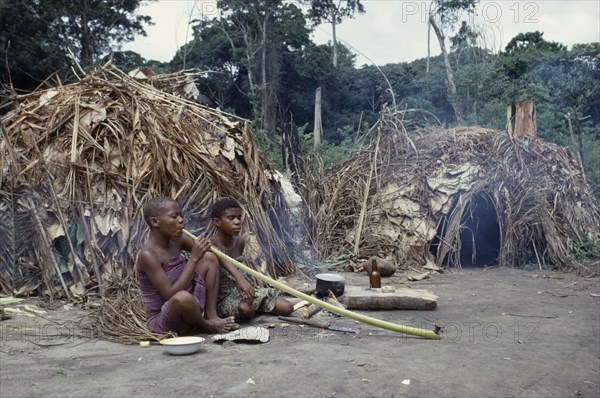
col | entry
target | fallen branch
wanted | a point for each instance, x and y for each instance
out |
(535, 316)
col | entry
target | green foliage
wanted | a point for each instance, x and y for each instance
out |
(30, 49)
(36, 36)
(91, 28)
(465, 37)
(591, 161)
(269, 147)
(126, 60)
(231, 50)
(584, 250)
(333, 11)
(532, 41)
(449, 11)
(129, 60)
(329, 153)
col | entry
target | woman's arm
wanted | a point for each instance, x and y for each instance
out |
(149, 264)
(186, 243)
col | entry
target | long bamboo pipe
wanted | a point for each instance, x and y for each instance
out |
(428, 334)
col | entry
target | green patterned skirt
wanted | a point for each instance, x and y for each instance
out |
(229, 297)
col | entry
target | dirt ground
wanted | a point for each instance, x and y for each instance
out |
(506, 332)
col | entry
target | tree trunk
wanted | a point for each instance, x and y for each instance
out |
(249, 54)
(86, 39)
(452, 94)
(579, 135)
(292, 152)
(570, 124)
(318, 128)
(186, 49)
(520, 119)
(249, 61)
(263, 76)
(335, 50)
(428, 47)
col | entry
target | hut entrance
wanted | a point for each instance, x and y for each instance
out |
(479, 235)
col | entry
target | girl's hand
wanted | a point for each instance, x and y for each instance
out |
(246, 290)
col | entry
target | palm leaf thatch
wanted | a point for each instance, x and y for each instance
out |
(425, 196)
(78, 162)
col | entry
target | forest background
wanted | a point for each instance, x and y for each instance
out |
(259, 62)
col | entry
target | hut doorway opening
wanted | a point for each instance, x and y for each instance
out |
(479, 236)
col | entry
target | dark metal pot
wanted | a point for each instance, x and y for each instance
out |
(332, 282)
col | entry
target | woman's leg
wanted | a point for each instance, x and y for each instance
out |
(210, 270)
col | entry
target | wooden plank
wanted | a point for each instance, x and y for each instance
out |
(361, 298)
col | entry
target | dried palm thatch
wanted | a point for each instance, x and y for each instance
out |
(426, 199)
(78, 161)
(121, 317)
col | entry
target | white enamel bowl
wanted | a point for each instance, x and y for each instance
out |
(183, 345)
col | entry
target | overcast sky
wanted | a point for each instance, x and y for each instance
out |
(393, 31)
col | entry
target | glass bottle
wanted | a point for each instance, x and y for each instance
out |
(374, 276)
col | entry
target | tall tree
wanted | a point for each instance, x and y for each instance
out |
(442, 15)
(464, 39)
(333, 12)
(250, 44)
(253, 19)
(36, 36)
(92, 27)
(30, 50)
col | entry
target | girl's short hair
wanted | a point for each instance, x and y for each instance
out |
(219, 207)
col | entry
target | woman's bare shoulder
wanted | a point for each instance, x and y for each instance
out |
(146, 258)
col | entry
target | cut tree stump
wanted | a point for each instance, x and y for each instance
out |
(360, 298)
(520, 119)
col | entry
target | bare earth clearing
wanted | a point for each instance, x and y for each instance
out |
(506, 332)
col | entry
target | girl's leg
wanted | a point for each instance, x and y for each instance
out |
(245, 311)
(282, 307)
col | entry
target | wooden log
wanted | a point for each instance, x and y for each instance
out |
(360, 298)
(419, 277)
(309, 311)
(385, 267)
(331, 299)
(300, 304)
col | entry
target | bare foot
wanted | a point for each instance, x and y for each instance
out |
(221, 325)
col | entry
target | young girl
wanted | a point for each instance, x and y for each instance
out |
(236, 296)
(173, 289)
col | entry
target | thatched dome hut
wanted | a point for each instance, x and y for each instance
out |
(455, 197)
(78, 162)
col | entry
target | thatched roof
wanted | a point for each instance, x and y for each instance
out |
(78, 162)
(434, 196)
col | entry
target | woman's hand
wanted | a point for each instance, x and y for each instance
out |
(200, 247)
